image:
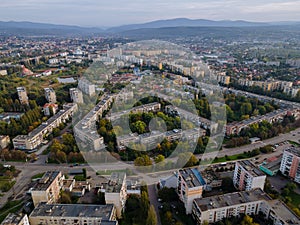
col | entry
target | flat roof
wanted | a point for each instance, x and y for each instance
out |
(251, 168)
(12, 219)
(73, 210)
(284, 212)
(231, 199)
(114, 183)
(46, 180)
(192, 177)
(294, 150)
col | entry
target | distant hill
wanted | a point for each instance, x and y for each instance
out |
(238, 33)
(184, 22)
(164, 26)
(30, 28)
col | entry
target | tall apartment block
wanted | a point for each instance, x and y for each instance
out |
(190, 186)
(48, 188)
(215, 208)
(86, 87)
(76, 95)
(290, 164)
(50, 95)
(247, 177)
(75, 214)
(23, 98)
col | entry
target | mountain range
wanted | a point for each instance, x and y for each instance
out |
(30, 28)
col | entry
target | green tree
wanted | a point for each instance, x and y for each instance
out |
(152, 218)
(159, 158)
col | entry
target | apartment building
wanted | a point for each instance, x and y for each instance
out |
(235, 128)
(15, 219)
(4, 141)
(291, 91)
(247, 177)
(86, 87)
(36, 137)
(290, 164)
(190, 186)
(75, 214)
(50, 95)
(76, 95)
(215, 208)
(22, 94)
(115, 190)
(48, 188)
(50, 109)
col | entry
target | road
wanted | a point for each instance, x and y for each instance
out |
(154, 201)
(30, 169)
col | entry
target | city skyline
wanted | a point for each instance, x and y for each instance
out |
(119, 12)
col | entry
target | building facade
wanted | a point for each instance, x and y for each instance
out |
(22, 94)
(247, 176)
(50, 95)
(190, 186)
(290, 164)
(76, 95)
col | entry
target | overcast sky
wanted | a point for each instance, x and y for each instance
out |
(105, 13)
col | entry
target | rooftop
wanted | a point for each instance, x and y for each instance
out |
(284, 212)
(73, 210)
(114, 183)
(251, 168)
(12, 219)
(192, 177)
(46, 180)
(236, 198)
(294, 150)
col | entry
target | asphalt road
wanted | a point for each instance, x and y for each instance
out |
(30, 169)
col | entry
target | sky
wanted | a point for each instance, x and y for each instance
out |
(108, 13)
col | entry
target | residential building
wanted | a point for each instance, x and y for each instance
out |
(247, 176)
(271, 166)
(3, 72)
(48, 188)
(290, 164)
(50, 95)
(53, 61)
(50, 109)
(215, 208)
(115, 190)
(36, 137)
(86, 87)
(190, 186)
(291, 91)
(75, 214)
(76, 95)
(4, 141)
(22, 94)
(15, 219)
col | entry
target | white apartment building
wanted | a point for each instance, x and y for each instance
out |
(190, 186)
(50, 95)
(215, 208)
(36, 137)
(22, 94)
(290, 164)
(247, 176)
(76, 95)
(115, 190)
(86, 87)
(75, 214)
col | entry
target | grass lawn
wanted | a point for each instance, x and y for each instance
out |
(37, 176)
(295, 198)
(109, 172)
(231, 158)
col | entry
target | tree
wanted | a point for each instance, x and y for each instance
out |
(159, 158)
(145, 203)
(152, 218)
(144, 160)
(65, 198)
(247, 220)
